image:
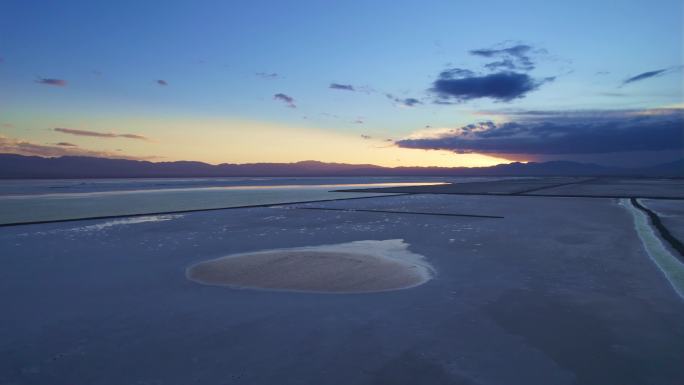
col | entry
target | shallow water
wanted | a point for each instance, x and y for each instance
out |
(48, 200)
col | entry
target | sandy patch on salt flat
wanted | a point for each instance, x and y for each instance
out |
(355, 267)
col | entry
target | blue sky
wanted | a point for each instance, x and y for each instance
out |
(218, 60)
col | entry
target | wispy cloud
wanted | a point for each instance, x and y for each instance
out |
(405, 102)
(410, 102)
(651, 74)
(267, 75)
(343, 87)
(133, 136)
(516, 57)
(52, 82)
(24, 147)
(288, 100)
(97, 134)
(162, 82)
(367, 137)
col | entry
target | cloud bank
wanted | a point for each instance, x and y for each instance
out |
(560, 133)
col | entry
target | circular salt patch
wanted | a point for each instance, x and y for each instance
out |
(334, 268)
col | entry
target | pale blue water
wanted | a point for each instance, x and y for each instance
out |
(45, 200)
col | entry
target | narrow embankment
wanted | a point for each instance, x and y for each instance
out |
(664, 232)
(653, 235)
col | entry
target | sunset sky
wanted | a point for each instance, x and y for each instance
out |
(420, 83)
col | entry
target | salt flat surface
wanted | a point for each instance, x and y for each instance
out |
(569, 186)
(502, 186)
(622, 187)
(558, 291)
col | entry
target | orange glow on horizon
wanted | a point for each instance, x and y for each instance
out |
(216, 141)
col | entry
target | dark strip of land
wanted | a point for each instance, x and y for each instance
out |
(529, 190)
(399, 212)
(664, 232)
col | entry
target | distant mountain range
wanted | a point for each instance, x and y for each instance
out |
(19, 166)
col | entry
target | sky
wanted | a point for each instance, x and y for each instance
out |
(392, 83)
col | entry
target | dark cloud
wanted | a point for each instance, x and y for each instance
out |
(517, 57)
(556, 132)
(162, 82)
(501, 86)
(52, 82)
(267, 75)
(358, 121)
(505, 78)
(65, 144)
(651, 74)
(97, 134)
(288, 100)
(344, 87)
